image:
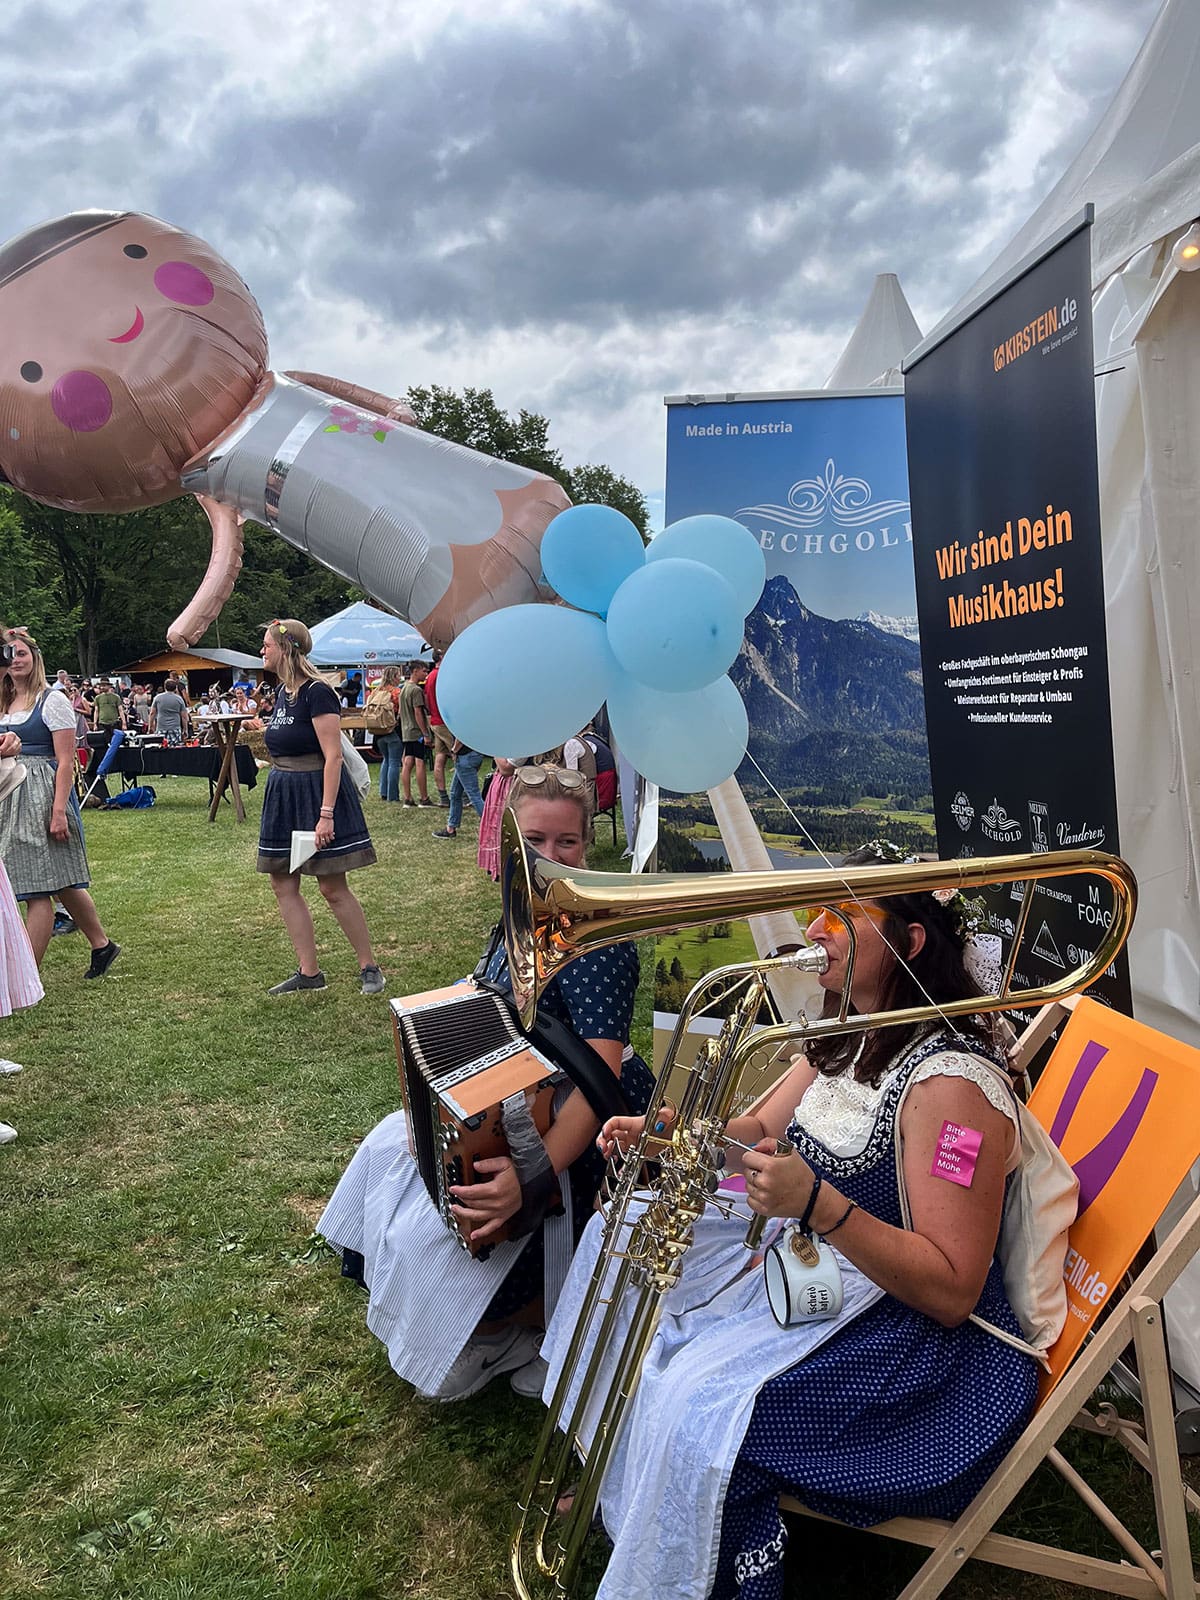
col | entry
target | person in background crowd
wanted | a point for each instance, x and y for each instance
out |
(390, 745)
(443, 739)
(141, 706)
(266, 701)
(169, 713)
(308, 791)
(108, 714)
(41, 831)
(487, 854)
(414, 734)
(241, 703)
(464, 787)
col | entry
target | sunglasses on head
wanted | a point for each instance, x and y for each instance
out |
(565, 777)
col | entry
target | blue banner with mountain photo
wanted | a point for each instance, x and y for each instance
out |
(830, 669)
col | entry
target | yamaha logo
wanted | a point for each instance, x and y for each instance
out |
(962, 811)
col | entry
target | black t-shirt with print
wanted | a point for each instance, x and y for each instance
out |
(290, 731)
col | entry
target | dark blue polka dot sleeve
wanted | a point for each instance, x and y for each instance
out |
(598, 991)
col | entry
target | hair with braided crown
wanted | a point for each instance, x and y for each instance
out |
(936, 973)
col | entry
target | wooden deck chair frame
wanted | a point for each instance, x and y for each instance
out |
(1135, 1317)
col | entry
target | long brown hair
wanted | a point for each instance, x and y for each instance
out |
(37, 678)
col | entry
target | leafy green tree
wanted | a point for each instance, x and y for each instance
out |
(474, 418)
(601, 486)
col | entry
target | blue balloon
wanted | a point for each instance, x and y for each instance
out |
(524, 678)
(684, 742)
(588, 552)
(722, 544)
(675, 625)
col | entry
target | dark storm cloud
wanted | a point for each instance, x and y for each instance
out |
(687, 161)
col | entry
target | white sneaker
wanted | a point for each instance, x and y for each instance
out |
(8, 1133)
(8, 1067)
(484, 1358)
(530, 1380)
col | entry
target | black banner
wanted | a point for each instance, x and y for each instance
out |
(1010, 598)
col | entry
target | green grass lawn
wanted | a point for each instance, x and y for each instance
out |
(190, 1403)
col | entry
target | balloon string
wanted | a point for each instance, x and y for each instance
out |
(836, 867)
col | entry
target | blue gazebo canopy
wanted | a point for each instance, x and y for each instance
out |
(363, 636)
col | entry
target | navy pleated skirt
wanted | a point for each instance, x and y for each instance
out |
(293, 804)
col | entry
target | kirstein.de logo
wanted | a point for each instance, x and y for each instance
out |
(997, 824)
(962, 811)
(1039, 827)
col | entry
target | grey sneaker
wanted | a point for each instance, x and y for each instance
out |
(530, 1379)
(444, 833)
(299, 980)
(373, 980)
(483, 1359)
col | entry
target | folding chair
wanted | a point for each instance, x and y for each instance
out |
(1123, 1103)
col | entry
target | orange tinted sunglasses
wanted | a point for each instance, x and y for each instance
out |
(847, 910)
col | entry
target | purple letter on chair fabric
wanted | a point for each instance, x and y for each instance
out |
(1096, 1167)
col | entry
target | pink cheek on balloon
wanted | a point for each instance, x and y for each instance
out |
(183, 283)
(81, 401)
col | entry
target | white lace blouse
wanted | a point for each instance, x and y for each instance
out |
(840, 1111)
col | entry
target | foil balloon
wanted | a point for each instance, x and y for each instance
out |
(135, 371)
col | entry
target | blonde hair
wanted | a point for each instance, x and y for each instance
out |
(551, 789)
(391, 677)
(37, 678)
(295, 641)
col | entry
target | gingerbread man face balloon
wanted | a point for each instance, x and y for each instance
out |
(134, 370)
(128, 346)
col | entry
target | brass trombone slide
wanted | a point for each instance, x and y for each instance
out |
(552, 915)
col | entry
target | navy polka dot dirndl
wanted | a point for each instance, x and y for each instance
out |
(894, 1416)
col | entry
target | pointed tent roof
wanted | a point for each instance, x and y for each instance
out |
(1139, 168)
(362, 635)
(886, 332)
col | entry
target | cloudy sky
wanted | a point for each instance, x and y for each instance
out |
(581, 205)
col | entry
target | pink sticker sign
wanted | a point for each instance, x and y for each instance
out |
(956, 1154)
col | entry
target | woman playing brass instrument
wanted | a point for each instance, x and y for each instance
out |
(451, 1322)
(898, 1405)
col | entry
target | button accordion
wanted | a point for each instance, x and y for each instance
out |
(461, 1056)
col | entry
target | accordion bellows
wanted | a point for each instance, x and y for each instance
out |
(461, 1055)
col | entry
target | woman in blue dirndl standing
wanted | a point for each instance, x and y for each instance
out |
(308, 791)
(898, 1406)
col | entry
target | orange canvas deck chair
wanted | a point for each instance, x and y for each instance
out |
(1122, 1102)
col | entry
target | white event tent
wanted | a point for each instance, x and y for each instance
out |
(1141, 170)
(361, 635)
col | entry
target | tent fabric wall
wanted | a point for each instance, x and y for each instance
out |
(1141, 170)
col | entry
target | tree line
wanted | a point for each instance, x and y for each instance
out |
(98, 591)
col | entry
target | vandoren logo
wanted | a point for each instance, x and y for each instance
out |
(997, 824)
(962, 811)
(1068, 836)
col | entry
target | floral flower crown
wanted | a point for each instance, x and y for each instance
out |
(968, 911)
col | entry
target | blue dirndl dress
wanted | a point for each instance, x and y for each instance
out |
(896, 1415)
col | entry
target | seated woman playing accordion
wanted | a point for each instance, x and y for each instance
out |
(452, 1322)
(896, 1405)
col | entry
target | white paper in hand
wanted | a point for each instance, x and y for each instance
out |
(303, 846)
